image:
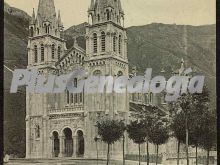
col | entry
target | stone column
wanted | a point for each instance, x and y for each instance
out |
(44, 139)
(61, 154)
(87, 147)
(52, 147)
(74, 146)
(28, 131)
(99, 46)
(28, 145)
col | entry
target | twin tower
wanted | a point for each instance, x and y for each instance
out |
(63, 125)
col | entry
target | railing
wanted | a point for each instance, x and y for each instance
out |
(66, 110)
(191, 154)
(152, 158)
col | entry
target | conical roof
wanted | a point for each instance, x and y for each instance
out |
(101, 4)
(92, 5)
(33, 19)
(46, 10)
(59, 19)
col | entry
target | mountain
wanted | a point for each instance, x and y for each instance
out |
(15, 56)
(76, 32)
(158, 46)
(162, 46)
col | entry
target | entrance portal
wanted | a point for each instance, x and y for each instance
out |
(68, 142)
(56, 147)
(81, 145)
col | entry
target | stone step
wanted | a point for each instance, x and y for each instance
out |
(68, 162)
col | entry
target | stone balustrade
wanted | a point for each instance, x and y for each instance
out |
(66, 110)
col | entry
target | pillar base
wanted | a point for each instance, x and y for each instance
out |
(60, 155)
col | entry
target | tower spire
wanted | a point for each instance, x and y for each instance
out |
(47, 21)
(46, 10)
(92, 6)
(59, 20)
(33, 18)
(106, 10)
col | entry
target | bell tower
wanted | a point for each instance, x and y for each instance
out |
(45, 47)
(46, 44)
(106, 35)
(106, 55)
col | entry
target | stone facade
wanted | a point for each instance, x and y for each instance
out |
(63, 125)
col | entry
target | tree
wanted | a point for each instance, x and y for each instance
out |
(178, 130)
(189, 112)
(159, 135)
(185, 102)
(209, 132)
(200, 105)
(137, 132)
(110, 131)
(145, 114)
(123, 127)
(148, 126)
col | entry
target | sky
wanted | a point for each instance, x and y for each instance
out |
(137, 12)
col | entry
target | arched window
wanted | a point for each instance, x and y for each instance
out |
(103, 41)
(95, 43)
(80, 97)
(31, 31)
(80, 59)
(108, 15)
(35, 54)
(98, 17)
(114, 43)
(37, 131)
(59, 52)
(45, 26)
(76, 98)
(68, 97)
(53, 51)
(38, 31)
(71, 98)
(48, 29)
(119, 44)
(75, 82)
(42, 53)
(83, 60)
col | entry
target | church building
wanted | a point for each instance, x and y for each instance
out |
(63, 125)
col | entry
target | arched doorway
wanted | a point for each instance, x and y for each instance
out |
(56, 142)
(81, 144)
(68, 142)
